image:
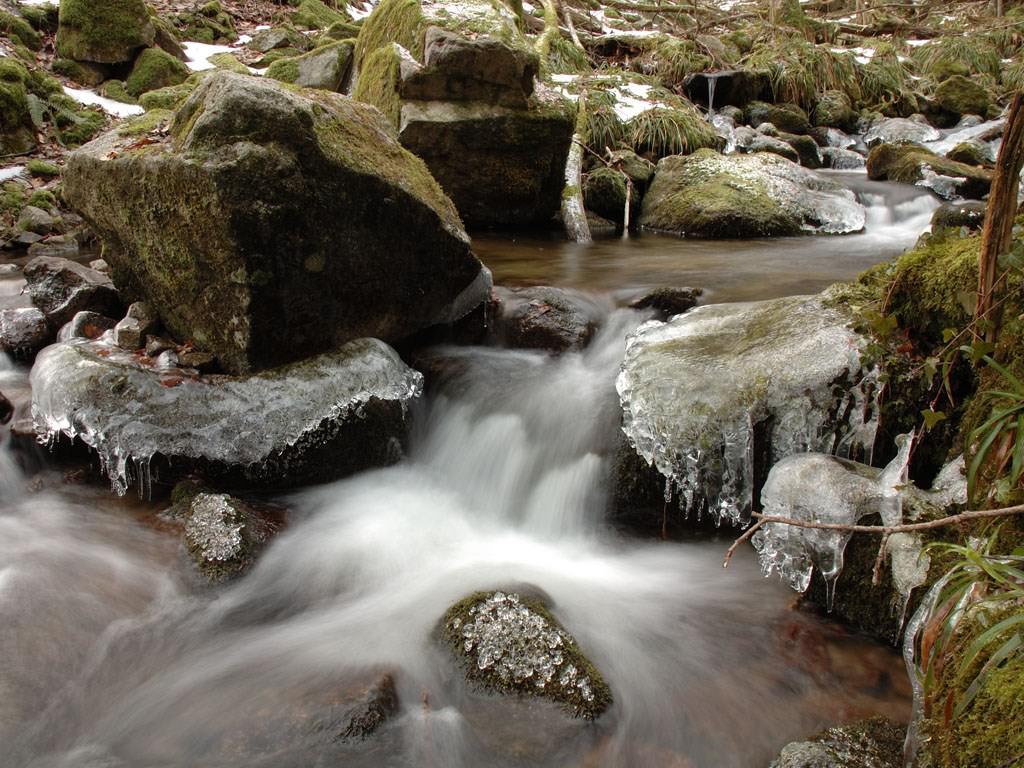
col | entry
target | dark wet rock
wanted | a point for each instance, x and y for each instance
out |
(204, 362)
(895, 130)
(756, 195)
(55, 247)
(971, 153)
(324, 68)
(668, 301)
(109, 32)
(841, 159)
(731, 113)
(6, 409)
(512, 644)
(224, 535)
(306, 422)
(24, 240)
(766, 129)
(63, 288)
(140, 321)
(874, 743)
(156, 345)
(366, 708)
(86, 325)
(552, 319)
(38, 221)
(806, 149)
(912, 164)
(756, 142)
(500, 166)
(272, 224)
(970, 214)
(23, 331)
(786, 117)
(735, 88)
(482, 69)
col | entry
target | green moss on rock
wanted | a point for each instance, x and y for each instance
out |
(378, 83)
(15, 121)
(786, 117)
(604, 193)
(83, 72)
(229, 62)
(392, 21)
(314, 14)
(42, 168)
(969, 153)
(538, 657)
(115, 89)
(169, 97)
(210, 24)
(834, 110)
(906, 163)
(108, 33)
(155, 69)
(959, 95)
(20, 30)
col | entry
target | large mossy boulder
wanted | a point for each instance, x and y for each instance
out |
(16, 136)
(786, 117)
(604, 193)
(834, 110)
(306, 422)
(912, 164)
(713, 398)
(738, 196)
(458, 82)
(274, 223)
(155, 69)
(512, 644)
(108, 32)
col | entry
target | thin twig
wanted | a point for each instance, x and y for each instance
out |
(884, 530)
(735, 545)
(876, 572)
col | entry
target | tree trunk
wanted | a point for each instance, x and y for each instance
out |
(574, 215)
(997, 235)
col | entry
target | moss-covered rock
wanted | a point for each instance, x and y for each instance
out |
(512, 644)
(15, 121)
(786, 117)
(314, 14)
(970, 153)
(378, 81)
(230, 227)
(19, 30)
(283, 36)
(210, 24)
(957, 96)
(42, 168)
(912, 164)
(154, 69)
(604, 193)
(834, 110)
(116, 90)
(759, 195)
(325, 67)
(970, 214)
(108, 33)
(169, 97)
(83, 72)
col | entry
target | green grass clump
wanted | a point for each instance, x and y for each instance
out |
(798, 70)
(661, 132)
(975, 52)
(565, 58)
(886, 83)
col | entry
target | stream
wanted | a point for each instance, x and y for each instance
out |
(114, 655)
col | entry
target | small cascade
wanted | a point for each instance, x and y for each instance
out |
(712, 80)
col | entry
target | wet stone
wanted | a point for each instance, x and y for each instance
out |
(85, 325)
(668, 301)
(224, 535)
(140, 321)
(512, 644)
(23, 331)
(63, 288)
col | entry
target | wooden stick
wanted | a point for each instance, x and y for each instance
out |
(885, 530)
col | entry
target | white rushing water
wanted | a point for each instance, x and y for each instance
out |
(113, 655)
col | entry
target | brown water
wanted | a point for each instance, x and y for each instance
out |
(112, 654)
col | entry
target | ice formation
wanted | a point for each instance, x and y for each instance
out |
(705, 391)
(129, 413)
(214, 529)
(824, 489)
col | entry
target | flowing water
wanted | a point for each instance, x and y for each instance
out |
(113, 655)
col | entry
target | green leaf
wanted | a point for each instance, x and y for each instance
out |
(968, 300)
(931, 418)
(948, 334)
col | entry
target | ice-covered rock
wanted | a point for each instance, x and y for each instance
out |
(304, 422)
(224, 534)
(895, 130)
(23, 331)
(713, 394)
(840, 159)
(875, 743)
(706, 194)
(512, 644)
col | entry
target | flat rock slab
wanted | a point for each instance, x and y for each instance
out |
(306, 422)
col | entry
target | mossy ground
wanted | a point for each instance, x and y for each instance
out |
(573, 701)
